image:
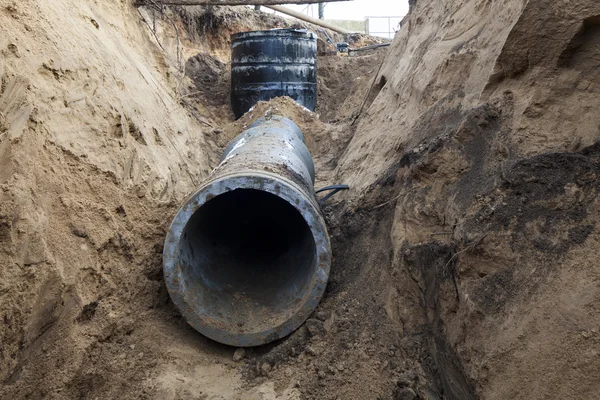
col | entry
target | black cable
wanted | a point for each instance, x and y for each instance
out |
(375, 46)
(333, 188)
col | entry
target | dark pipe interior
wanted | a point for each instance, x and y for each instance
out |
(248, 257)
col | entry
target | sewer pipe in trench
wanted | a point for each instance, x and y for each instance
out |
(247, 257)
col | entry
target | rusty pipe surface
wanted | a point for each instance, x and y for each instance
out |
(247, 257)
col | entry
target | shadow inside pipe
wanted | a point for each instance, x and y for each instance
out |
(248, 258)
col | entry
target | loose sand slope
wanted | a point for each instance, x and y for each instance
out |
(91, 139)
(485, 131)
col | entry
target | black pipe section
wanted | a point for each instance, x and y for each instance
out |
(274, 63)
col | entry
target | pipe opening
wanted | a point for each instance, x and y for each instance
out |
(248, 259)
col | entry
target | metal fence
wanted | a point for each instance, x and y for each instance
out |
(383, 26)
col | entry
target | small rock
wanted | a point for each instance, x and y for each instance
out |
(88, 311)
(239, 354)
(328, 325)
(405, 380)
(312, 351)
(121, 211)
(79, 231)
(321, 374)
(265, 368)
(14, 49)
(315, 327)
(405, 394)
(323, 315)
(132, 346)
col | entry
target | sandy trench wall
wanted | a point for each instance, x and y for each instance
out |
(440, 60)
(485, 124)
(84, 73)
(95, 149)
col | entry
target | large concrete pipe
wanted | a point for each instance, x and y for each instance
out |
(247, 257)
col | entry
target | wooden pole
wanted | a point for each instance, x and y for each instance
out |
(227, 2)
(306, 18)
(267, 3)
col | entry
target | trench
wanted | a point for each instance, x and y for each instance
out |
(134, 341)
(362, 249)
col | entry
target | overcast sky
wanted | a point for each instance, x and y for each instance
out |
(359, 9)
